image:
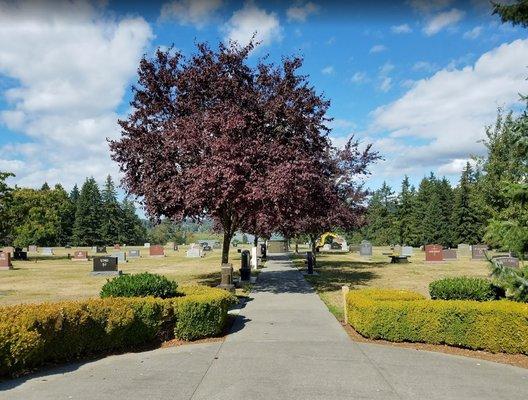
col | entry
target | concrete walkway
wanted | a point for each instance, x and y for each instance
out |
(285, 345)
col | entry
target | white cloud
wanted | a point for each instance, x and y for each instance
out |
(300, 12)
(377, 49)
(386, 84)
(328, 70)
(72, 63)
(403, 28)
(449, 110)
(424, 66)
(473, 33)
(249, 20)
(190, 12)
(359, 77)
(455, 166)
(442, 20)
(427, 6)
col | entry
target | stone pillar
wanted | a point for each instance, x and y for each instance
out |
(254, 258)
(227, 278)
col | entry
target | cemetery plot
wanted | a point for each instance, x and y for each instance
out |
(464, 251)
(365, 249)
(120, 255)
(47, 251)
(156, 251)
(478, 251)
(450, 254)
(134, 253)
(5, 261)
(195, 251)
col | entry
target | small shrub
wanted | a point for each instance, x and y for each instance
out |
(140, 285)
(463, 288)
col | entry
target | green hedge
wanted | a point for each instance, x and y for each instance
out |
(401, 316)
(140, 285)
(34, 334)
(464, 288)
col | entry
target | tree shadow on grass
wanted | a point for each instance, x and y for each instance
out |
(326, 264)
(331, 280)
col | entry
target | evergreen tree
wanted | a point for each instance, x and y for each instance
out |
(88, 215)
(446, 200)
(45, 186)
(5, 202)
(112, 214)
(381, 217)
(406, 207)
(516, 13)
(467, 222)
(66, 210)
(74, 194)
(133, 231)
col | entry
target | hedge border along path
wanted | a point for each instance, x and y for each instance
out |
(35, 334)
(402, 316)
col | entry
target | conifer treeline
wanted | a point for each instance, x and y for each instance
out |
(489, 203)
(52, 217)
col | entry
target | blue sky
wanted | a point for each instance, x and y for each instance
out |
(418, 79)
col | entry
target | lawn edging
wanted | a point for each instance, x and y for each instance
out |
(403, 316)
(35, 334)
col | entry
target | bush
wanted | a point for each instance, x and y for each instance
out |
(34, 334)
(140, 285)
(464, 288)
(496, 326)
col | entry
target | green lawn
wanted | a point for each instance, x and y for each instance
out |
(57, 278)
(339, 269)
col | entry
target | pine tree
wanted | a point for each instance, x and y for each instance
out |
(467, 225)
(381, 216)
(133, 231)
(66, 212)
(112, 213)
(406, 207)
(74, 194)
(446, 200)
(88, 215)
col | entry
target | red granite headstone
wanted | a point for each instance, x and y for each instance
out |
(117, 247)
(10, 250)
(5, 261)
(156, 251)
(434, 252)
(80, 255)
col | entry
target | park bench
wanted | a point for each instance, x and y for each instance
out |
(397, 258)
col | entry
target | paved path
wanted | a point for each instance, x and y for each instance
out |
(285, 345)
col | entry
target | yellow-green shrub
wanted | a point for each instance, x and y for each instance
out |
(33, 334)
(496, 326)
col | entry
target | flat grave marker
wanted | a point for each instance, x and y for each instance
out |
(434, 252)
(478, 251)
(80, 255)
(5, 261)
(156, 251)
(105, 265)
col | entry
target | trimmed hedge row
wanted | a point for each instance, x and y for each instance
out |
(34, 334)
(398, 316)
(464, 288)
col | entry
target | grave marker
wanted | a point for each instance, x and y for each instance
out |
(32, 248)
(508, 261)
(147, 245)
(156, 251)
(120, 255)
(47, 251)
(397, 250)
(100, 249)
(478, 251)
(365, 248)
(10, 250)
(407, 251)
(117, 246)
(433, 252)
(464, 250)
(450, 255)
(134, 254)
(20, 255)
(80, 255)
(5, 261)
(194, 251)
(104, 265)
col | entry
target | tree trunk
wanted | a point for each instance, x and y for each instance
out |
(225, 246)
(255, 241)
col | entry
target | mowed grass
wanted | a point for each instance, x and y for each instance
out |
(350, 269)
(56, 278)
